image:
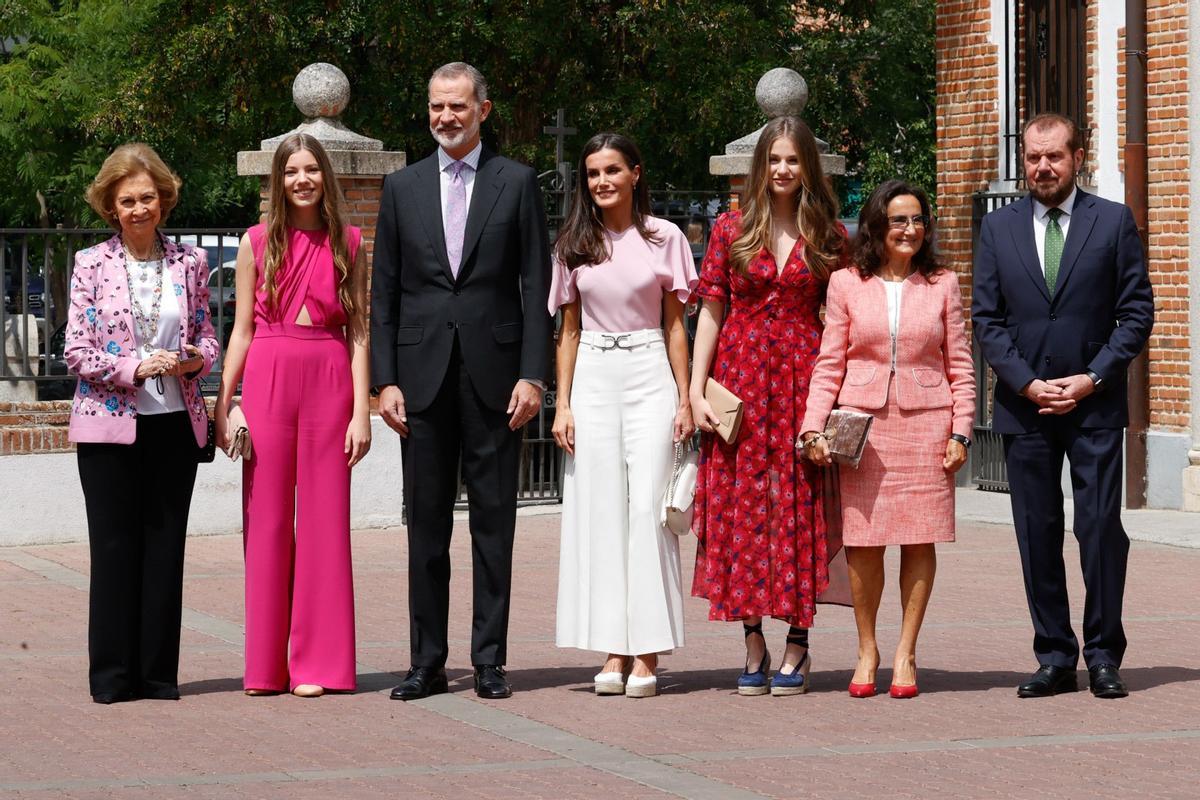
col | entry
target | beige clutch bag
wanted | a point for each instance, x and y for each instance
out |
(239, 445)
(726, 405)
(846, 432)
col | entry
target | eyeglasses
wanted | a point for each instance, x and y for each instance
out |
(900, 222)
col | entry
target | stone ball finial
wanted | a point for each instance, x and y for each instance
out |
(781, 92)
(321, 90)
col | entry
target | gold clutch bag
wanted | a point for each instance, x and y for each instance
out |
(846, 432)
(727, 406)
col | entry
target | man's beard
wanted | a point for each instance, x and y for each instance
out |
(1053, 196)
(456, 139)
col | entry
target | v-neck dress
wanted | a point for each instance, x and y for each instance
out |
(758, 516)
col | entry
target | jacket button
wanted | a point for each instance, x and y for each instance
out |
(457, 292)
(1053, 317)
(1047, 359)
(450, 325)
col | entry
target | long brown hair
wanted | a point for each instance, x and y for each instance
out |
(870, 244)
(581, 240)
(816, 204)
(331, 215)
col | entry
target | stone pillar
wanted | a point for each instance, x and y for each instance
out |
(780, 92)
(321, 93)
(1191, 473)
(21, 337)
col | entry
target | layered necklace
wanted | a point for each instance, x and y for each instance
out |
(150, 276)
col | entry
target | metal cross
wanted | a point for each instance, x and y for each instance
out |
(559, 131)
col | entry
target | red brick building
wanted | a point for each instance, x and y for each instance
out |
(999, 62)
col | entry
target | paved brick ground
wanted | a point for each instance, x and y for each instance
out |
(966, 736)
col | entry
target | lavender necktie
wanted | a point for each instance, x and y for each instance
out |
(456, 215)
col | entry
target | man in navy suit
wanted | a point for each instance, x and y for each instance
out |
(1062, 304)
(460, 352)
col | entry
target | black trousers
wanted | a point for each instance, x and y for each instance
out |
(1035, 479)
(137, 498)
(457, 425)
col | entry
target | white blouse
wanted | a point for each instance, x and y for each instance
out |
(894, 292)
(141, 290)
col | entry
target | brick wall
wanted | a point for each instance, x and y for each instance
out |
(34, 427)
(967, 118)
(967, 124)
(1167, 148)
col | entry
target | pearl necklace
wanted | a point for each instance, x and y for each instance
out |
(146, 321)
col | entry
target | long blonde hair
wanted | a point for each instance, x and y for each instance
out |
(331, 214)
(816, 207)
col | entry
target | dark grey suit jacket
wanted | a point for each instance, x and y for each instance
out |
(496, 306)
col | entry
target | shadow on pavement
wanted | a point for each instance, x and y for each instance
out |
(670, 681)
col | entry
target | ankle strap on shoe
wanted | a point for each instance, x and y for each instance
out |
(797, 636)
(749, 630)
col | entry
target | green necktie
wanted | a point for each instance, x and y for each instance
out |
(1054, 248)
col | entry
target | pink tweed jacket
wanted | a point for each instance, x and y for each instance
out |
(100, 345)
(933, 360)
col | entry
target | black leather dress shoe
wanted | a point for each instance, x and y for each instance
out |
(421, 682)
(1049, 681)
(108, 698)
(491, 683)
(1106, 682)
(159, 693)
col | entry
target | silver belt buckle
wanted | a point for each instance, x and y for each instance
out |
(614, 342)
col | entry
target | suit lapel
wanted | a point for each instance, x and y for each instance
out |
(1083, 219)
(1021, 229)
(429, 209)
(484, 195)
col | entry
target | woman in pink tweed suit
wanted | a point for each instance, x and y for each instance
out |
(895, 346)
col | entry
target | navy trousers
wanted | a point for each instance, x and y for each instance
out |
(1035, 463)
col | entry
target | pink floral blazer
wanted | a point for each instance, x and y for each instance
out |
(102, 351)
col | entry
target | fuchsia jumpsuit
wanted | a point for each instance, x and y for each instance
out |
(298, 397)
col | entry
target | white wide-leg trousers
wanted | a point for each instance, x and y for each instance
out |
(619, 587)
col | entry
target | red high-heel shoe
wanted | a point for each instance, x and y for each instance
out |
(862, 689)
(903, 692)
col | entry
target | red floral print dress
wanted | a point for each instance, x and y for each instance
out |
(759, 519)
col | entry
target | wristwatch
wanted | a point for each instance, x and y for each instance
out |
(1097, 381)
(963, 440)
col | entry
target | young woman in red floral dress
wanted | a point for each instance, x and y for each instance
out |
(759, 523)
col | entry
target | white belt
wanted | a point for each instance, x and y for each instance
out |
(598, 340)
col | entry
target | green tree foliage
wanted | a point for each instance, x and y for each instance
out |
(201, 79)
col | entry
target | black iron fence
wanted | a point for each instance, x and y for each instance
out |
(988, 470)
(36, 264)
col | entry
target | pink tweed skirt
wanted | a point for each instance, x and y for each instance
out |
(900, 494)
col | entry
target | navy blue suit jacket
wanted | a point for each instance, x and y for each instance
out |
(1098, 319)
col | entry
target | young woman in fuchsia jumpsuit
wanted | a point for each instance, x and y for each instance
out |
(300, 349)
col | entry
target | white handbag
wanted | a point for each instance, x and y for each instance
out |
(679, 501)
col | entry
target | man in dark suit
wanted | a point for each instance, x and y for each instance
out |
(1062, 304)
(460, 350)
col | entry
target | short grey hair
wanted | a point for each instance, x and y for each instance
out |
(456, 69)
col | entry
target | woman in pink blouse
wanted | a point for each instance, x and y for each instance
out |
(622, 279)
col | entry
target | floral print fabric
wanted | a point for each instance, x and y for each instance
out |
(758, 518)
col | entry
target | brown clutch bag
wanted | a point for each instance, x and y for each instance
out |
(727, 406)
(846, 432)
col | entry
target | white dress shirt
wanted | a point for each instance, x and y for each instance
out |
(1041, 221)
(471, 159)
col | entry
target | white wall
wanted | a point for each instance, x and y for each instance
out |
(41, 502)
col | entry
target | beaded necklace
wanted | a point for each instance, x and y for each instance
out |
(146, 321)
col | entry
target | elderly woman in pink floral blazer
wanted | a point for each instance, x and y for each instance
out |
(138, 337)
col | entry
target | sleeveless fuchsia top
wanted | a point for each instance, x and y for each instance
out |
(307, 277)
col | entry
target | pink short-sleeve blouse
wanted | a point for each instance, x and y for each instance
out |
(625, 293)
